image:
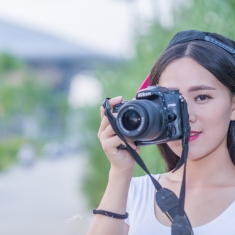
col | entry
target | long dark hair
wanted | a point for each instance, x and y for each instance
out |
(213, 58)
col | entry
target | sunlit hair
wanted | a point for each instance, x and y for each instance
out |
(213, 58)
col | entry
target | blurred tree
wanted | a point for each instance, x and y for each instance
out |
(206, 15)
(8, 63)
(31, 110)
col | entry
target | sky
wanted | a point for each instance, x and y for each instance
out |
(104, 25)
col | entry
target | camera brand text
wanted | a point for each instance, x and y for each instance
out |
(143, 94)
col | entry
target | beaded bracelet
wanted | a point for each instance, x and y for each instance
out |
(111, 214)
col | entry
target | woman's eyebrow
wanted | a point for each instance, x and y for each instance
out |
(197, 88)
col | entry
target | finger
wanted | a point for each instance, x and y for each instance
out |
(112, 102)
(132, 144)
(107, 133)
(101, 112)
(103, 125)
(110, 145)
(137, 149)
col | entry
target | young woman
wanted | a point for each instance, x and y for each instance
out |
(202, 66)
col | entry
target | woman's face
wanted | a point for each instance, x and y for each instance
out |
(210, 106)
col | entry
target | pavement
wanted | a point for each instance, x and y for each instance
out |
(45, 199)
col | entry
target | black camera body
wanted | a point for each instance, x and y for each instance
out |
(154, 117)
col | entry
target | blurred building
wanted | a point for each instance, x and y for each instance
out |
(51, 56)
(57, 61)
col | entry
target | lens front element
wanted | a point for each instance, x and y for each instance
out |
(131, 120)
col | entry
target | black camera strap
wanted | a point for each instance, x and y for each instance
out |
(167, 201)
(181, 224)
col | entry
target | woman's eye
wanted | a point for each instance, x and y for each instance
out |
(202, 97)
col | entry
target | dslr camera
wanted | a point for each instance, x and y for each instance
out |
(154, 117)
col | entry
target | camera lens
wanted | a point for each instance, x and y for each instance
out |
(131, 120)
(141, 120)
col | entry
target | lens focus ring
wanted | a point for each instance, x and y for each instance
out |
(141, 119)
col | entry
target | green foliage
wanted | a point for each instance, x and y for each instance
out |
(26, 95)
(22, 92)
(8, 63)
(8, 151)
(206, 15)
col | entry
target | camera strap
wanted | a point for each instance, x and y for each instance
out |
(166, 199)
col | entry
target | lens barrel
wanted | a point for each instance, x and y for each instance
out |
(141, 119)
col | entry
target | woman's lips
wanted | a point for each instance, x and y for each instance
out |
(194, 135)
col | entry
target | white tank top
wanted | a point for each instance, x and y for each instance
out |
(142, 219)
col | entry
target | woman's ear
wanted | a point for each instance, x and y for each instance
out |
(233, 109)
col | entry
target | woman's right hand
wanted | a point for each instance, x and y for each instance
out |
(120, 159)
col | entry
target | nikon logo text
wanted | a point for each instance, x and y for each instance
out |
(143, 94)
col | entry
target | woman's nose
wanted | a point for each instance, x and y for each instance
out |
(192, 115)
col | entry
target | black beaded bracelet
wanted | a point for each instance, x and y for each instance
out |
(111, 214)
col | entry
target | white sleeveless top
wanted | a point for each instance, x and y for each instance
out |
(142, 219)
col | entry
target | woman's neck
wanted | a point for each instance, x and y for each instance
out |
(214, 169)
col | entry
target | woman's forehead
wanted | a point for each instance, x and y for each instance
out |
(185, 72)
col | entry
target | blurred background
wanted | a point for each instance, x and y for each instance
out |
(58, 61)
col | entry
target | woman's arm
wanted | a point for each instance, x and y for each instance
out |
(120, 174)
(126, 229)
(114, 200)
